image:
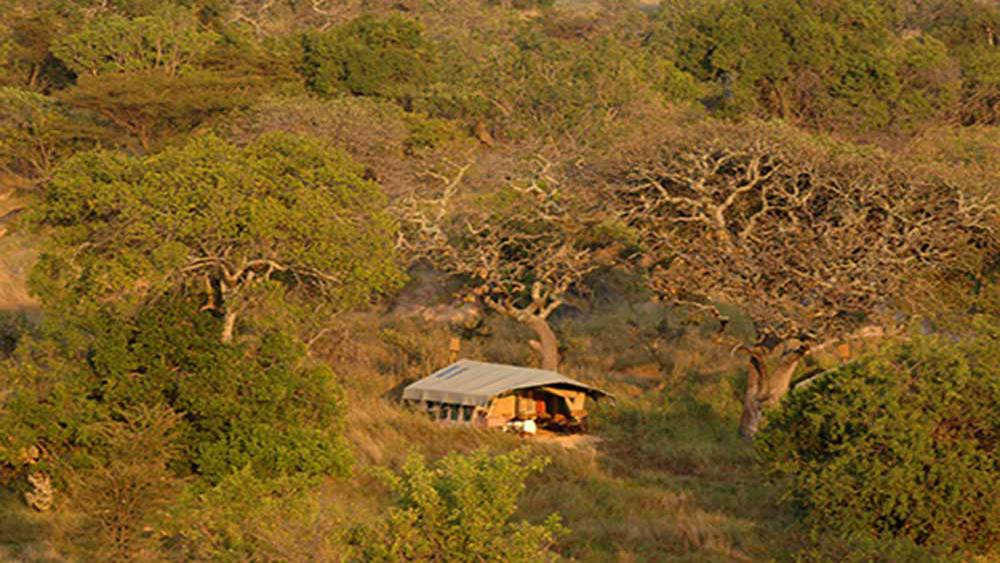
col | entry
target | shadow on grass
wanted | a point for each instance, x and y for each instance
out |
(669, 480)
(25, 535)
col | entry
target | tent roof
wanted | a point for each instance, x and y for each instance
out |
(474, 383)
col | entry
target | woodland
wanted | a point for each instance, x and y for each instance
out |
(232, 230)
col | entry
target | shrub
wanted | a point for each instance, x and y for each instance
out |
(122, 494)
(370, 56)
(899, 445)
(245, 518)
(460, 509)
(260, 404)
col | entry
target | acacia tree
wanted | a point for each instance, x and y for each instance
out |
(217, 218)
(154, 75)
(522, 249)
(814, 242)
(36, 133)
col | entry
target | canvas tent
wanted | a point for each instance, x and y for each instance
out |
(492, 395)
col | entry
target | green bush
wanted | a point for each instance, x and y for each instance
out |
(245, 518)
(460, 509)
(259, 404)
(370, 56)
(130, 488)
(831, 65)
(900, 445)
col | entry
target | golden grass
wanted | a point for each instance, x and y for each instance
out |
(669, 479)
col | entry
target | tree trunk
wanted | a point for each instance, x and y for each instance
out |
(547, 344)
(766, 387)
(229, 325)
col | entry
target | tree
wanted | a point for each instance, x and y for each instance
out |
(522, 249)
(154, 76)
(971, 30)
(152, 106)
(170, 41)
(900, 444)
(541, 87)
(26, 60)
(814, 241)
(36, 133)
(839, 65)
(283, 211)
(370, 56)
(393, 145)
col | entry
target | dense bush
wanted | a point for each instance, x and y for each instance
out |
(127, 491)
(246, 518)
(903, 444)
(460, 509)
(260, 405)
(833, 65)
(370, 56)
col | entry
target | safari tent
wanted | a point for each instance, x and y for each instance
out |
(498, 395)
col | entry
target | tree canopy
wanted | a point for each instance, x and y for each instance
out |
(210, 216)
(211, 209)
(812, 240)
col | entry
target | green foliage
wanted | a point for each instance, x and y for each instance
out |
(12, 327)
(25, 58)
(282, 210)
(833, 65)
(151, 107)
(169, 74)
(969, 29)
(272, 412)
(36, 133)
(899, 445)
(242, 516)
(370, 56)
(131, 485)
(460, 509)
(262, 406)
(536, 87)
(170, 41)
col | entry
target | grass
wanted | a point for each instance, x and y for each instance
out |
(24, 534)
(669, 479)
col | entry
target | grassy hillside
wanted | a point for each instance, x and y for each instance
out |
(250, 224)
(667, 478)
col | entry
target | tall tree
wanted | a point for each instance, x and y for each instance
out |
(521, 250)
(217, 218)
(813, 241)
(158, 75)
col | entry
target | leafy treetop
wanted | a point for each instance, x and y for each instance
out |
(170, 41)
(284, 209)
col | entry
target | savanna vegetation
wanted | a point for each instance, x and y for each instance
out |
(232, 230)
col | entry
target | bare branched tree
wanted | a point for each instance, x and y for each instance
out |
(522, 250)
(813, 243)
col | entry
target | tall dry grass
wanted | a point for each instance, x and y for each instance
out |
(667, 480)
